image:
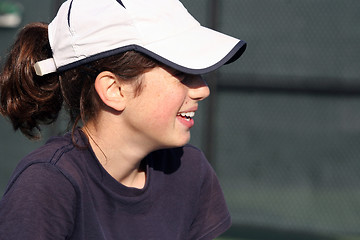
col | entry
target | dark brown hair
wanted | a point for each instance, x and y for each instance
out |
(30, 101)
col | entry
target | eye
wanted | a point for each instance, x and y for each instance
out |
(179, 75)
(193, 81)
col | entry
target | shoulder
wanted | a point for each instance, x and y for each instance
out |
(199, 178)
(50, 152)
(47, 159)
(37, 197)
(40, 178)
(194, 158)
(187, 163)
(193, 152)
(181, 157)
(187, 153)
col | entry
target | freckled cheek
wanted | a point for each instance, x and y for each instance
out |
(164, 106)
(157, 112)
(166, 114)
(163, 117)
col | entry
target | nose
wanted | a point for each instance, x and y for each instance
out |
(198, 89)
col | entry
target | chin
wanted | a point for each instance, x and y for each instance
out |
(178, 142)
(184, 142)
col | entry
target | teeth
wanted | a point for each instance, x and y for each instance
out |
(187, 114)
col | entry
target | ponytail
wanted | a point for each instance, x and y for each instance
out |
(26, 99)
(29, 100)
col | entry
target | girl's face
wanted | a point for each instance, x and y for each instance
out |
(161, 115)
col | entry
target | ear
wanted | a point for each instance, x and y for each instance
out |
(109, 90)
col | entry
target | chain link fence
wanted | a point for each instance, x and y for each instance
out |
(287, 121)
(282, 127)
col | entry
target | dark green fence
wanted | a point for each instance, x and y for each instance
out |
(282, 127)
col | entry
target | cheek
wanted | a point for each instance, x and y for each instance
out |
(155, 107)
(161, 103)
(166, 108)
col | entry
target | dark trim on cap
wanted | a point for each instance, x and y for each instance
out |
(96, 57)
(68, 16)
(233, 55)
(119, 1)
(237, 52)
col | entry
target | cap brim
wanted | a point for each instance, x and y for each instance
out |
(197, 51)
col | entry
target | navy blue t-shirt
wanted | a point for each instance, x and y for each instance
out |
(61, 191)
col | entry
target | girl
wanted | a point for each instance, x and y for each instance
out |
(128, 72)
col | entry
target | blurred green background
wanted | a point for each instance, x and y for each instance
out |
(282, 126)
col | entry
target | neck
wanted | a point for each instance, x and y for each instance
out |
(119, 156)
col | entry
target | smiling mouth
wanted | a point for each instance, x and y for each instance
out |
(187, 115)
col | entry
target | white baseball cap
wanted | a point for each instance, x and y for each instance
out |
(87, 30)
